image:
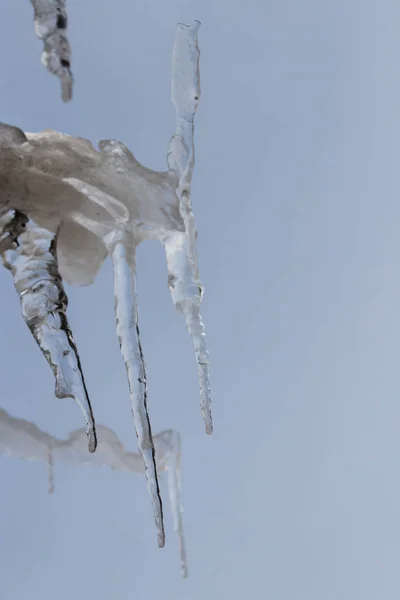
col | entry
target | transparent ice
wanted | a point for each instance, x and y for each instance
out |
(24, 440)
(65, 206)
(51, 21)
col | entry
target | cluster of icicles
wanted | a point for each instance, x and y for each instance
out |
(24, 440)
(65, 206)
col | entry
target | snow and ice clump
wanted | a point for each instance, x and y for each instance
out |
(66, 205)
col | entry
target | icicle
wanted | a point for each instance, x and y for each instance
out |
(50, 25)
(33, 264)
(184, 281)
(50, 473)
(173, 467)
(126, 312)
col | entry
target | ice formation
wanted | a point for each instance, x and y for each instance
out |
(51, 21)
(23, 439)
(65, 206)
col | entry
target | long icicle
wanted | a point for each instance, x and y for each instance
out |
(33, 264)
(126, 313)
(51, 22)
(184, 280)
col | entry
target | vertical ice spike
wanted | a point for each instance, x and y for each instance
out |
(122, 253)
(32, 261)
(186, 293)
(51, 22)
(50, 473)
(173, 467)
(184, 280)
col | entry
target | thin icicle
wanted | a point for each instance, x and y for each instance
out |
(174, 488)
(186, 294)
(50, 473)
(126, 312)
(51, 22)
(33, 264)
(24, 440)
(184, 280)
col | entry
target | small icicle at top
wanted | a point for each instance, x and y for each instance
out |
(51, 22)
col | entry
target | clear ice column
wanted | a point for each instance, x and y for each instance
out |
(126, 311)
(174, 487)
(183, 273)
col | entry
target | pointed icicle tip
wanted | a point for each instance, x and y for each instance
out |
(92, 439)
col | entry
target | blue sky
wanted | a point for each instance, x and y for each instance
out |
(295, 193)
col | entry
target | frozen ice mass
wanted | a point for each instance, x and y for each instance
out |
(65, 206)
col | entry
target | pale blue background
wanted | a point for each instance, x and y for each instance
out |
(296, 196)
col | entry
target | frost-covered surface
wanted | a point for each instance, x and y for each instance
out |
(51, 21)
(24, 440)
(88, 204)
